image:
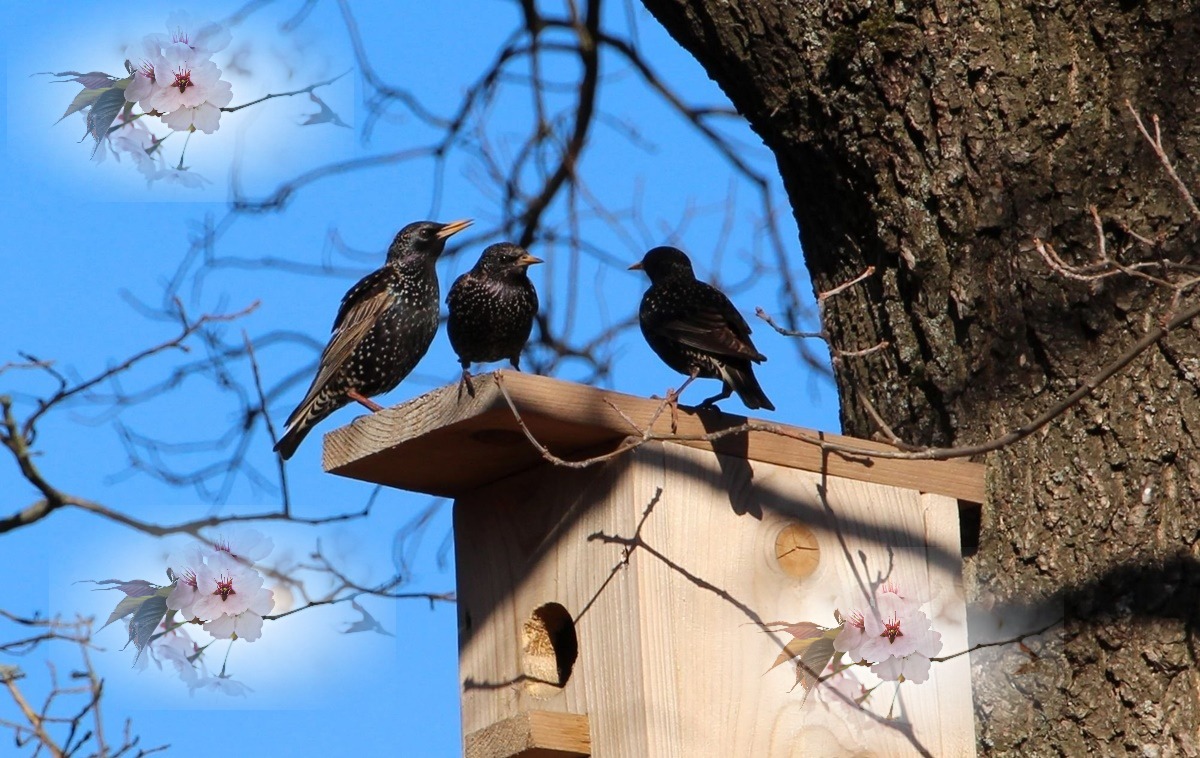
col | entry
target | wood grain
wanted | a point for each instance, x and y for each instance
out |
(536, 734)
(666, 560)
(445, 444)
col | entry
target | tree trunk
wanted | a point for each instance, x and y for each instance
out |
(936, 141)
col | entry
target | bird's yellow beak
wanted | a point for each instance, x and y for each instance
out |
(454, 227)
(636, 267)
(528, 260)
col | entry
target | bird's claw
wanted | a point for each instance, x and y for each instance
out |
(364, 401)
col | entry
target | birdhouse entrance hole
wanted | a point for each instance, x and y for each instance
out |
(550, 649)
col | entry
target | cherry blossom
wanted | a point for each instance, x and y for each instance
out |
(852, 636)
(135, 140)
(202, 37)
(205, 117)
(187, 568)
(246, 625)
(183, 176)
(897, 628)
(177, 648)
(176, 78)
(224, 684)
(893, 634)
(184, 80)
(142, 84)
(225, 586)
(244, 543)
(843, 695)
(911, 668)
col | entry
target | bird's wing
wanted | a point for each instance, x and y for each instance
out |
(456, 289)
(360, 309)
(714, 326)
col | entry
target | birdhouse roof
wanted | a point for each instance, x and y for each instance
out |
(447, 442)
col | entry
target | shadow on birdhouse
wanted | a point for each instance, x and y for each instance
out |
(616, 600)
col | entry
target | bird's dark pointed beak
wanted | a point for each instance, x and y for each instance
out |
(454, 227)
(528, 260)
(636, 267)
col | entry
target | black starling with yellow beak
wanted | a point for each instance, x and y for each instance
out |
(384, 327)
(492, 308)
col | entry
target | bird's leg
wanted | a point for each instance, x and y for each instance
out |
(366, 402)
(466, 382)
(673, 399)
(712, 401)
(516, 362)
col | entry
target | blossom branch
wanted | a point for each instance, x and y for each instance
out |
(347, 590)
(304, 91)
(1018, 640)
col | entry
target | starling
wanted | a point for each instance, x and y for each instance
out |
(492, 308)
(384, 326)
(694, 328)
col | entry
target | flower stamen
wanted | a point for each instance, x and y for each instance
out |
(225, 587)
(891, 630)
(183, 79)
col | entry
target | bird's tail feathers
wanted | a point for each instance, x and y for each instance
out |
(745, 384)
(291, 439)
(311, 411)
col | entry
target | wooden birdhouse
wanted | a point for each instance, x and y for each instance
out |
(637, 605)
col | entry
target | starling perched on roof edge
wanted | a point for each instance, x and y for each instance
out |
(492, 308)
(383, 328)
(694, 328)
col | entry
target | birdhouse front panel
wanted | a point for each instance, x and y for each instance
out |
(687, 603)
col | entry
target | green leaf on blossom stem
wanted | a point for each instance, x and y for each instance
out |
(127, 606)
(135, 587)
(85, 98)
(103, 112)
(814, 659)
(146, 619)
(90, 80)
(811, 649)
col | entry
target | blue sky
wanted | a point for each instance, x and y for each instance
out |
(82, 240)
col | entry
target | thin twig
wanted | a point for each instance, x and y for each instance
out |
(305, 91)
(266, 414)
(926, 453)
(1155, 143)
(1015, 640)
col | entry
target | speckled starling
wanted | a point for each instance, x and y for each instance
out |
(383, 328)
(492, 308)
(694, 328)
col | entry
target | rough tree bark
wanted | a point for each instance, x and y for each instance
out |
(936, 140)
